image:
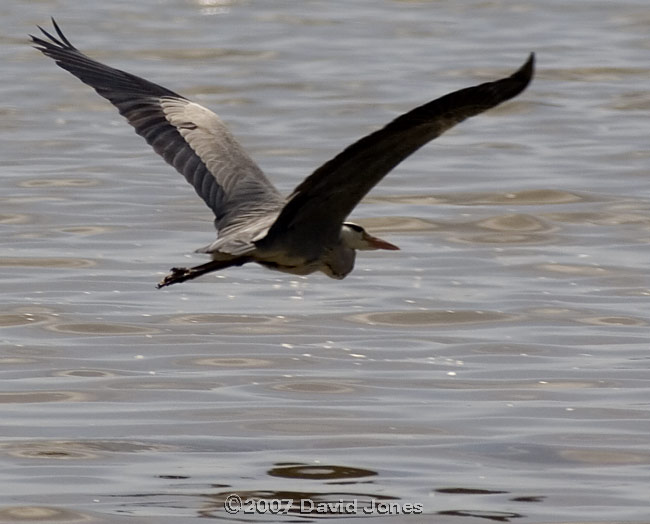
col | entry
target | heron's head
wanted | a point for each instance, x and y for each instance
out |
(355, 237)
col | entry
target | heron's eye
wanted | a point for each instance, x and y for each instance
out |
(355, 227)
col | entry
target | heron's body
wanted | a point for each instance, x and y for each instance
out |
(336, 260)
(304, 232)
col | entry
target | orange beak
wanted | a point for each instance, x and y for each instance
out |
(378, 243)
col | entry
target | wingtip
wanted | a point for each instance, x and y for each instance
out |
(37, 41)
(55, 25)
(531, 60)
(61, 41)
(526, 72)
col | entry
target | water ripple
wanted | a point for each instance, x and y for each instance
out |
(430, 318)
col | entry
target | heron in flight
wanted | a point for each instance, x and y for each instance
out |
(305, 231)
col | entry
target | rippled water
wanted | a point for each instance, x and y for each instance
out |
(494, 370)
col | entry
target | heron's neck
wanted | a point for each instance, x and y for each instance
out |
(350, 237)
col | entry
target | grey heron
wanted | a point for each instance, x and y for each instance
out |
(299, 234)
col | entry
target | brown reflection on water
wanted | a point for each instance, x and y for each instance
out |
(430, 318)
(50, 262)
(233, 362)
(84, 373)
(97, 328)
(198, 53)
(59, 182)
(573, 269)
(75, 450)
(218, 318)
(15, 514)
(14, 361)
(350, 432)
(613, 321)
(525, 197)
(316, 387)
(20, 319)
(583, 316)
(248, 324)
(603, 218)
(243, 361)
(595, 74)
(14, 219)
(502, 229)
(517, 222)
(151, 383)
(605, 457)
(84, 230)
(633, 101)
(29, 397)
(509, 389)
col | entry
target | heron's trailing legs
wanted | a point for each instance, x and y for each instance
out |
(181, 274)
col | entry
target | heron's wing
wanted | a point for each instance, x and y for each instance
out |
(188, 136)
(318, 206)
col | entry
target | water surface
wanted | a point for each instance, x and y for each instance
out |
(493, 370)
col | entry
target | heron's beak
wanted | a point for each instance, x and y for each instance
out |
(378, 243)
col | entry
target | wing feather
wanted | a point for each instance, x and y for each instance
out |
(188, 136)
(318, 206)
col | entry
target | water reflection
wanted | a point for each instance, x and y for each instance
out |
(21, 319)
(59, 182)
(326, 388)
(37, 397)
(84, 373)
(242, 323)
(76, 449)
(614, 321)
(494, 516)
(49, 262)
(101, 328)
(14, 219)
(493, 369)
(314, 503)
(430, 318)
(302, 504)
(17, 514)
(84, 230)
(319, 472)
(524, 197)
(233, 362)
(606, 457)
(469, 491)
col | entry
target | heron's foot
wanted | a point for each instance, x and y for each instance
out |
(177, 274)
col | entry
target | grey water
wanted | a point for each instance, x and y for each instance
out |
(496, 369)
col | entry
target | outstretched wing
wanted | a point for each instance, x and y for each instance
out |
(319, 205)
(188, 136)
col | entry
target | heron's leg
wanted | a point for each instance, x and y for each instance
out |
(181, 274)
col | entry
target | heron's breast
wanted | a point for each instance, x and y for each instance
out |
(292, 268)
